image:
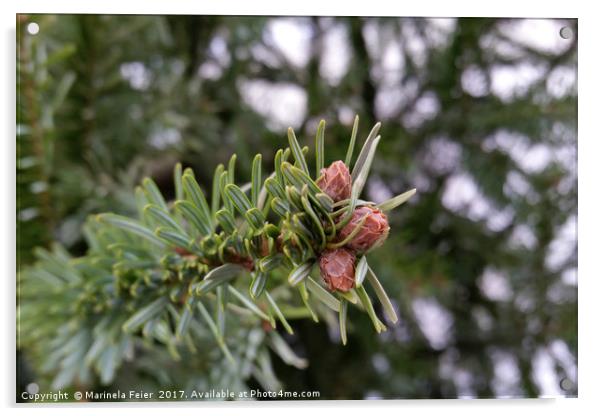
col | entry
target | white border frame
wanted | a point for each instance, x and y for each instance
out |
(589, 219)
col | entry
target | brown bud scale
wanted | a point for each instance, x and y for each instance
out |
(337, 268)
(335, 181)
(373, 232)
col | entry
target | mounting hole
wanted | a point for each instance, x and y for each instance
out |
(32, 388)
(33, 28)
(566, 384)
(566, 32)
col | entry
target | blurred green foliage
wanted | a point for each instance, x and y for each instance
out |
(481, 264)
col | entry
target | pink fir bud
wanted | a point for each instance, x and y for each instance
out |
(335, 181)
(372, 234)
(338, 269)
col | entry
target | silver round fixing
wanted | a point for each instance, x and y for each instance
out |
(566, 32)
(32, 388)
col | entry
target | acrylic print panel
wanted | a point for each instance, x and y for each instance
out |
(398, 221)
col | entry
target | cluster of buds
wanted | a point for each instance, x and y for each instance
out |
(366, 229)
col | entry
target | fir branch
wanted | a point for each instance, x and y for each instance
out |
(153, 277)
